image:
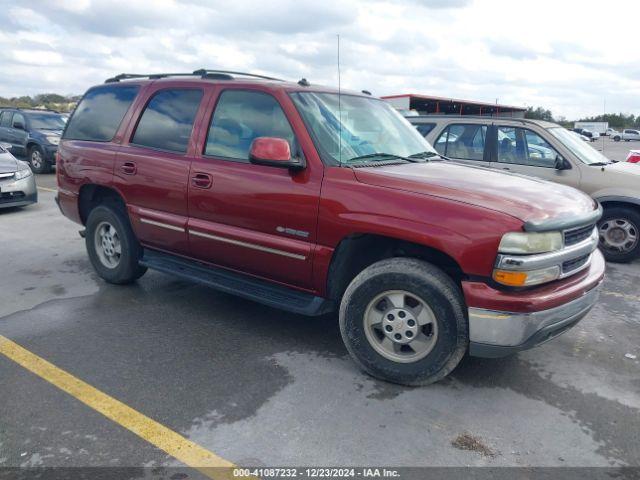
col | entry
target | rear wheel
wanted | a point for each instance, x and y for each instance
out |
(616, 138)
(403, 321)
(619, 231)
(113, 249)
(37, 160)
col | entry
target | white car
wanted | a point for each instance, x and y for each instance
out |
(582, 137)
(611, 132)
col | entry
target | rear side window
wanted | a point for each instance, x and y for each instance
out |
(167, 120)
(465, 142)
(5, 119)
(100, 112)
(425, 128)
(242, 116)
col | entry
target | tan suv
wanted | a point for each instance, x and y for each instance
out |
(551, 152)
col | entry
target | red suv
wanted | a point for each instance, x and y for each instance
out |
(312, 200)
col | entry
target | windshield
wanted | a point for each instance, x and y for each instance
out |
(578, 147)
(46, 121)
(353, 127)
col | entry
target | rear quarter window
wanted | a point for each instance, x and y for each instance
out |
(100, 112)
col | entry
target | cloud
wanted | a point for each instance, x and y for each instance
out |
(456, 48)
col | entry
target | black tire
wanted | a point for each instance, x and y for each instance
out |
(127, 268)
(633, 217)
(616, 138)
(438, 291)
(37, 160)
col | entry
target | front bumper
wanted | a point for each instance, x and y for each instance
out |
(496, 333)
(17, 193)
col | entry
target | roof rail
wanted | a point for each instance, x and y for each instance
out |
(203, 72)
(228, 74)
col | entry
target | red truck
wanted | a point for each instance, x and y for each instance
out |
(314, 201)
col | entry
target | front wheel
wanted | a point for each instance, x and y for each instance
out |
(37, 160)
(113, 249)
(616, 139)
(619, 231)
(402, 320)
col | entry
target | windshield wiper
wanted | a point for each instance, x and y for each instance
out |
(426, 155)
(599, 164)
(384, 155)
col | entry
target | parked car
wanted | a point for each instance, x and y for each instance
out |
(592, 136)
(566, 160)
(581, 137)
(611, 132)
(17, 183)
(311, 201)
(596, 127)
(32, 133)
(634, 156)
(627, 135)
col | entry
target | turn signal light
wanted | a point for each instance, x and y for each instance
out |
(512, 279)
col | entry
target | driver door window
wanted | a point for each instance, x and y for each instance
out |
(520, 146)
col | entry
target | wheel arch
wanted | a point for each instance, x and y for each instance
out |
(357, 251)
(91, 195)
(619, 201)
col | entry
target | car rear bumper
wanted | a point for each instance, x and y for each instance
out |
(496, 332)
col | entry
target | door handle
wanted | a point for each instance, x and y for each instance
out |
(202, 180)
(506, 168)
(128, 168)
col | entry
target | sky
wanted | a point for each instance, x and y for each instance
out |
(571, 57)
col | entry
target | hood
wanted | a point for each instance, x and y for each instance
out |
(531, 200)
(8, 163)
(49, 132)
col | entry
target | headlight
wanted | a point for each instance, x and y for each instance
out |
(24, 173)
(526, 243)
(53, 139)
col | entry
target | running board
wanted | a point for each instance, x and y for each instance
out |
(251, 288)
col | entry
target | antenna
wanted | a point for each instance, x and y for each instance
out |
(339, 108)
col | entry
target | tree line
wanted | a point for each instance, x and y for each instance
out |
(51, 101)
(615, 120)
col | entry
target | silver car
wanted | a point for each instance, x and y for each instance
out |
(17, 182)
(548, 151)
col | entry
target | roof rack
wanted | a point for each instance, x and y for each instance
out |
(203, 73)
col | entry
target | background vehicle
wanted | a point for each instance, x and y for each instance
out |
(17, 182)
(634, 156)
(596, 127)
(303, 199)
(32, 133)
(565, 159)
(592, 136)
(627, 135)
(580, 136)
(611, 132)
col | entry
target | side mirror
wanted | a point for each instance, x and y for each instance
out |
(18, 125)
(561, 163)
(273, 152)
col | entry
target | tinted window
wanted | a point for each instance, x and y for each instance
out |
(425, 128)
(99, 113)
(18, 118)
(167, 120)
(242, 116)
(524, 147)
(465, 142)
(5, 119)
(46, 121)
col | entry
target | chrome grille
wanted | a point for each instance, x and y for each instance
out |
(576, 235)
(574, 264)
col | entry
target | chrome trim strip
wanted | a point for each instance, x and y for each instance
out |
(247, 245)
(534, 262)
(161, 225)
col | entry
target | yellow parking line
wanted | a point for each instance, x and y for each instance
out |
(48, 189)
(188, 452)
